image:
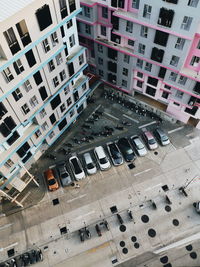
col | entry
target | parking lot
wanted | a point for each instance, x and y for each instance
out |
(153, 177)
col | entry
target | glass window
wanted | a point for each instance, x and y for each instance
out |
(126, 58)
(129, 26)
(187, 21)
(144, 31)
(72, 40)
(105, 12)
(141, 49)
(125, 72)
(174, 61)
(147, 11)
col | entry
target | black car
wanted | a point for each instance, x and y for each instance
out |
(115, 154)
(126, 149)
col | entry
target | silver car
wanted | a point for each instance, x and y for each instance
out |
(138, 145)
(64, 175)
(89, 163)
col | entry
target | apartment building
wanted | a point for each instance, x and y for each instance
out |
(149, 49)
(42, 85)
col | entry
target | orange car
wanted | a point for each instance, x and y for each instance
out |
(51, 180)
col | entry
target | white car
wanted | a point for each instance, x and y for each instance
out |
(102, 159)
(139, 146)
(90, 165)
(77, 168)
(162, 137)
(150, 140)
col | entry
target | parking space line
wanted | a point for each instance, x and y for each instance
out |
(111, 116)
(148, 124)
(81, 196)
(130, 118)
(136, 174)
(176, 129)
(150, 188)
(87, 214)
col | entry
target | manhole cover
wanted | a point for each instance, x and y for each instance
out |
(168, 208)
(165, 188)
(189, 247)
(133, 238)
(145, 218)
(63, 230)
(113, 209)
(136, 245)
(122, 243)
(193, 255)
(175, 222)
(151, 232)
(125, 250)
(122, 228)
(55, 201)
(164, 259)
(156, 153)
(131, 166)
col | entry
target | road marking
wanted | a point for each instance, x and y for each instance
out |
(97, 108)
(92, 250)
(150, 123)
(111, 116)
(5, 226)
(25, 197)
(81, 216)
(175, 130)
(81, 196)
(130, 118)
(149, 188)
(136, 174)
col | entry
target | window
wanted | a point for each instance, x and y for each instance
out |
(131, 42)
(43, 17)
(193, 3)
(46, 45)
(7, 75)
(43, 93)
(100, 48)
(25, 109)
(165, 95)
(105, 12)
(167, 87)
(157, 54)
(198, 45)
(174, 61)
(54, 38)
(9, 163)
(144, 31)
(62, 75)
(66, 90)
(51, 65)
(81, 59)
(23, 32)
(69, 24)
(27, 86)
(139, 63)
(17, 94)
(86, 11)
(179, 94)
(33, 101)
(147, 11)
(180, 43)
(140, 74)
(44, 126)
(69, 101)
(135, 4)
(18, 66)
(182, 80)
(37, 77)
(42, 113)
(71, 69)
(63, 8)
(125, 72)
(12, 41)
(126, 58)
(166, 17)
(62, 31)
(173, 76)
(100, 61)
(3, 110)
(162, 72)
(195, 61)
(187, 21)
(38, 133)
(72, 40)
(55, 81)
(72, 5)
(150, 91)
(52, 118)
(161, 38)
(148, 66)
(87, 28)
(55, 102)
(139, 84)
(30, 58)
(176, 104)
(103, 30)
(124, 83)
(59, 59)
(72, 112)
(141, 49)
(62, 107)
(101, 73)
(62, 124)
(84, 87)
(129, 26)
(51, 135)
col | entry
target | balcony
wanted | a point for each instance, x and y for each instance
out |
(166, 17)
(115, 21)
(161, 38)
(115, 38)
(171, 1)
(112, 66)
(112, 54)
(157, 54)
(196, 88)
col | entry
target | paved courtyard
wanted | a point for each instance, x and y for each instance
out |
(152, 234)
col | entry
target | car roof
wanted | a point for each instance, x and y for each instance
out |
(160, 131)
(148, 134)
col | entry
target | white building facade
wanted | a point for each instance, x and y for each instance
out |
(42, 85)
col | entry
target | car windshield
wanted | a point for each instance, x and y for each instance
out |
(164, 138)
(129, 151)
(90, 166)
(139, 145)
(64, 175)
(51, 181)
(103, 160)
(152, 141)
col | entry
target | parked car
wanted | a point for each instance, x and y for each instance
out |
(138, 145)
(162, 137)
(115, 154)
(89, 163)
(51, 180)
(126, 149)
(64, 174)
(102, 159)
(77, 168)
(150, 140)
